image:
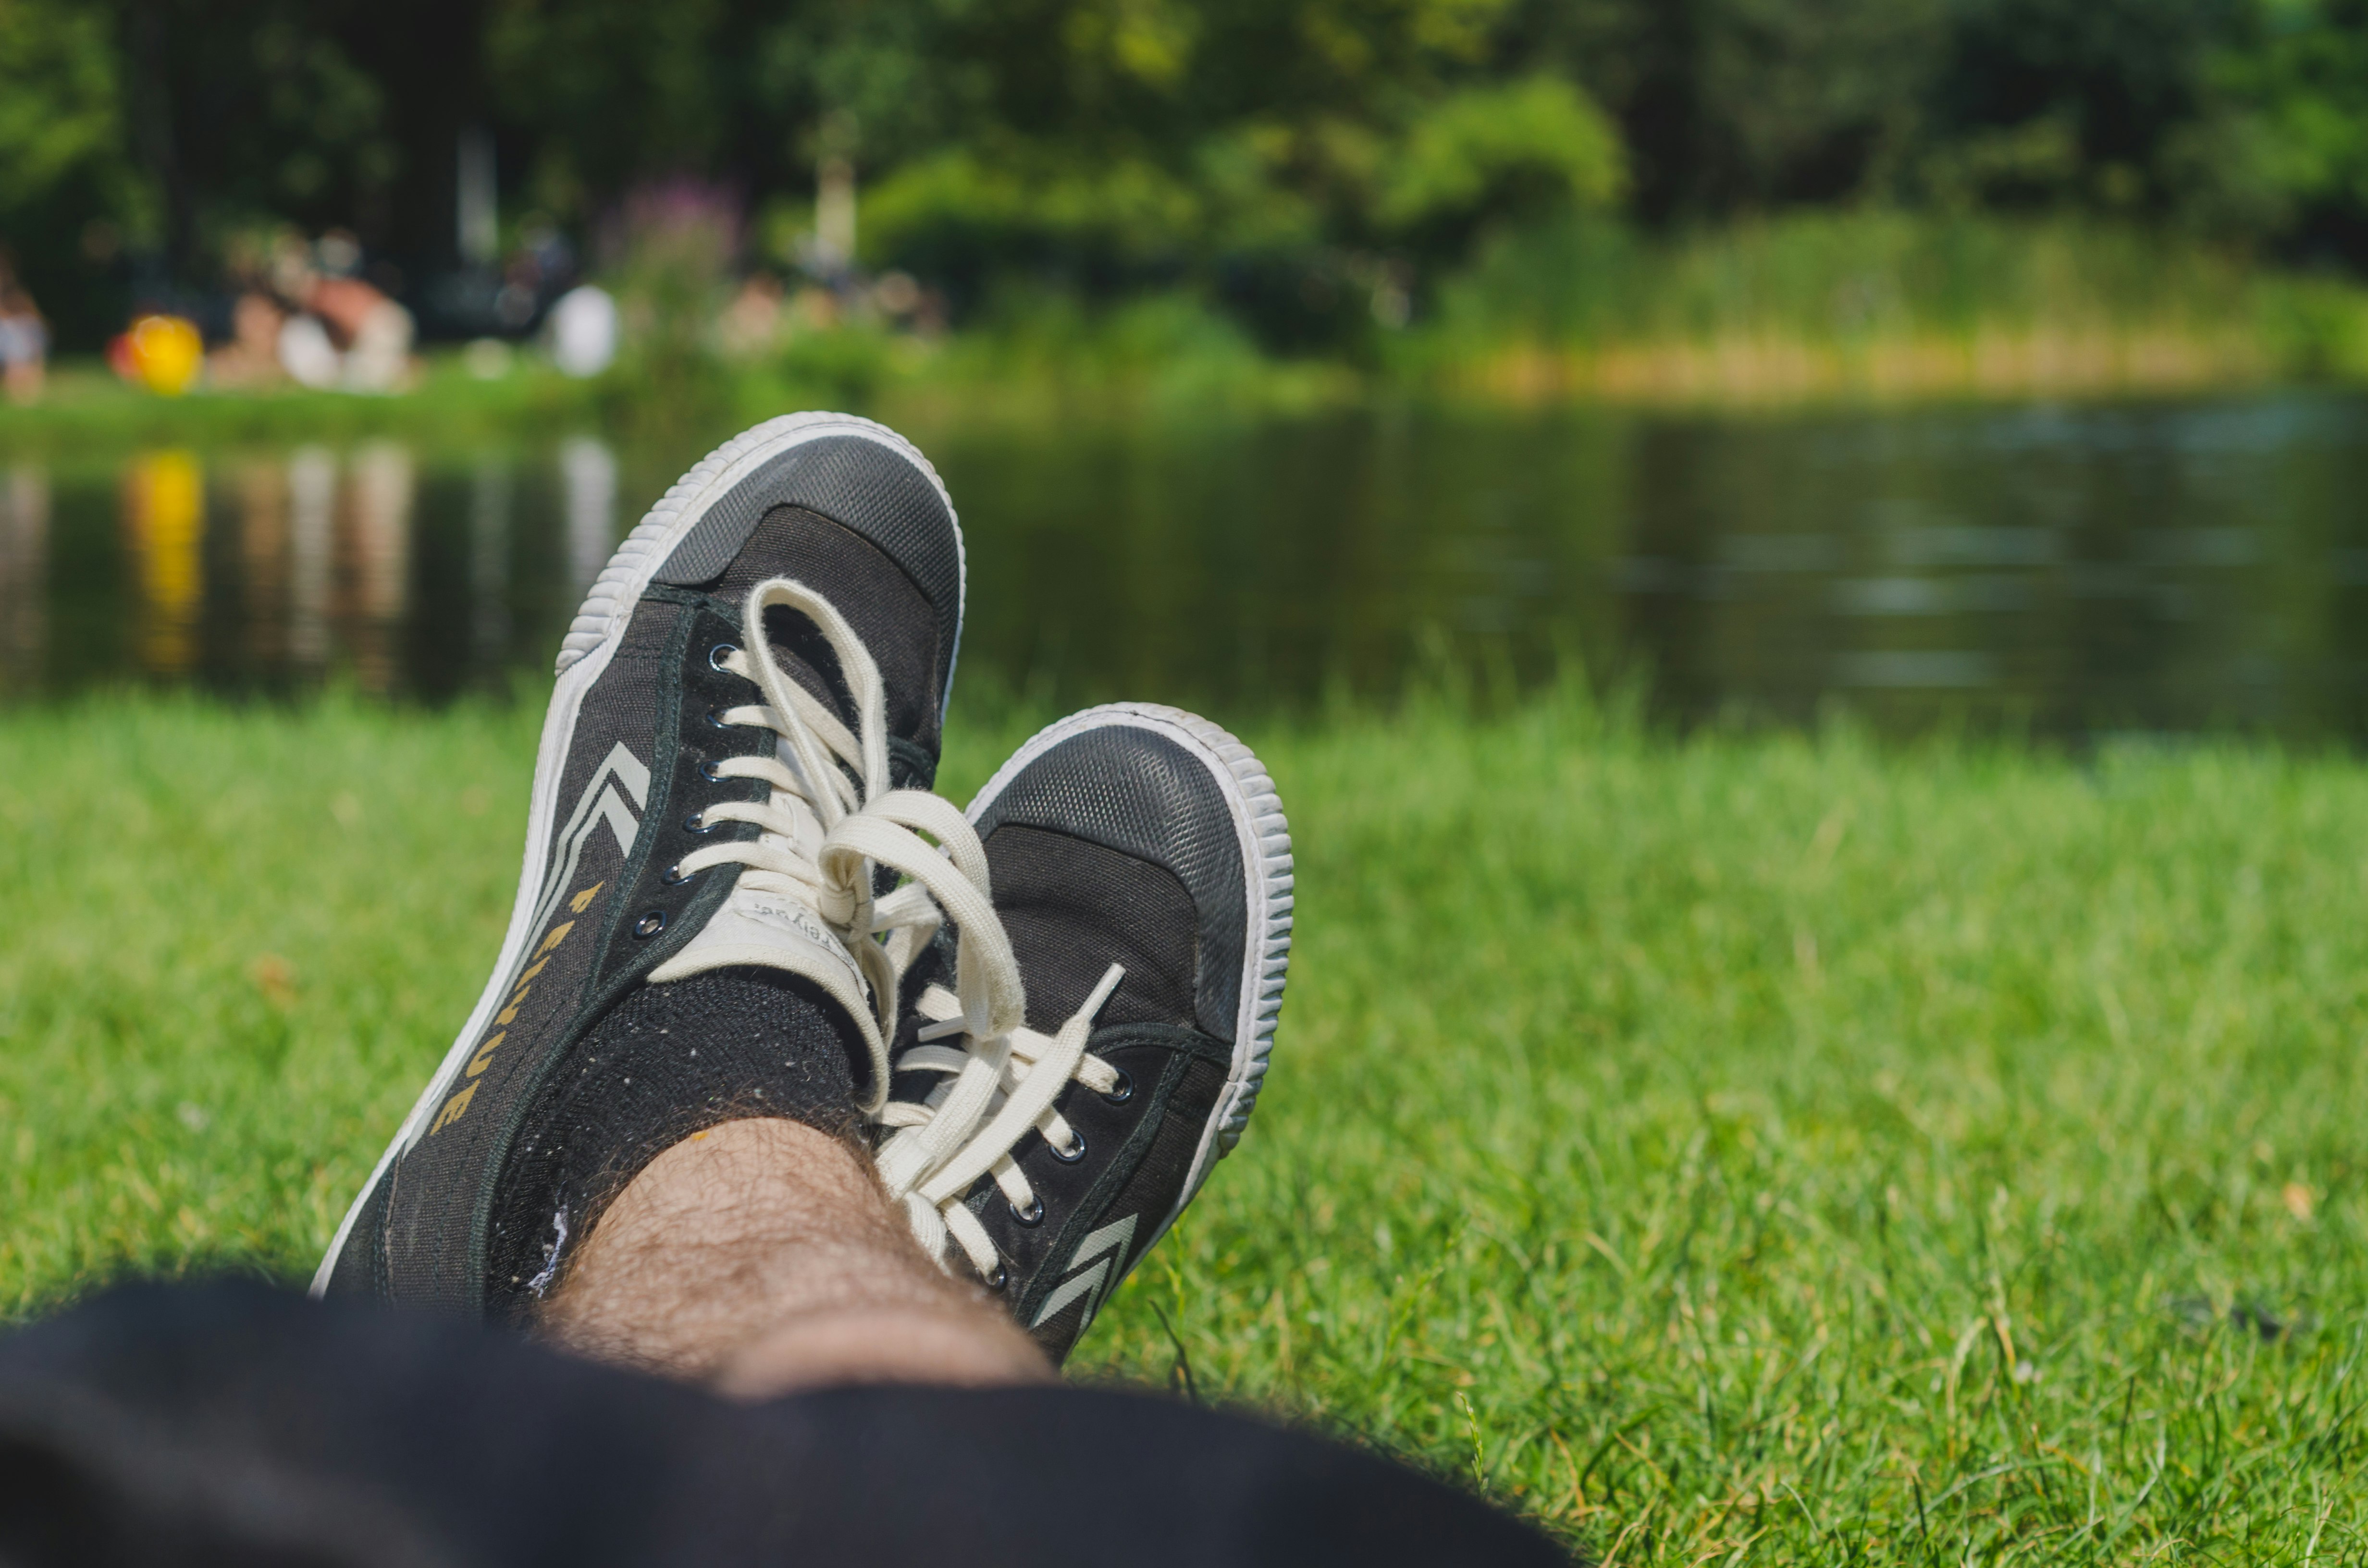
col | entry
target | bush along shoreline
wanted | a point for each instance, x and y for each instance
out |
(1872, 307)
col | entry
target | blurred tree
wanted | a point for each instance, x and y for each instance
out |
(244, 111)
(1519, 149)
(1732, 105)
(614, 89)
(2046, 103)
(1310, 161)
(66, 182)
(2295, 146)
(1314, 164)
(61, 110)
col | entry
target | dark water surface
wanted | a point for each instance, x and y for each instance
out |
(2071, 569)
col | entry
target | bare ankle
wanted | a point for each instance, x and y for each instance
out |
(893, 1345)
(762, 1256)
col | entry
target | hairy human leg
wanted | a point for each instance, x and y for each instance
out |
(760, 1258)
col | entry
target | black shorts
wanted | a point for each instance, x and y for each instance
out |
(231, 1424)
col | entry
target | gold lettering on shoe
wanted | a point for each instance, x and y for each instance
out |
(484, 1057)
(458, 1106)
(452, 1110)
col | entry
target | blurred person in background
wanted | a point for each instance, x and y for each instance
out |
(343, 332)
(583, 331)
(251, 358)
(24, 338)
(751, 324)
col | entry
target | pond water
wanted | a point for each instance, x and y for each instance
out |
(2069, 570)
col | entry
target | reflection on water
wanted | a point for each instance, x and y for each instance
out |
(260, 493)
(24, 572)
(274, 570)
(311, 544)
(311, 493)
(2169, 566)
(489, 562)
(376, 558)
(588, 471)
(164, 520)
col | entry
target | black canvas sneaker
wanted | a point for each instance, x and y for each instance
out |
(1140, 868)
(754, 685)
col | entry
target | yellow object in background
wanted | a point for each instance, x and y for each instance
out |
(163, 354)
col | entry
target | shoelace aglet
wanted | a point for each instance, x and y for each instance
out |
(1101, 994)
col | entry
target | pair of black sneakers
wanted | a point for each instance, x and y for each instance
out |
(1049, 1017)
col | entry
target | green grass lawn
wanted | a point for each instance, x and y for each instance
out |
(1743, 1149)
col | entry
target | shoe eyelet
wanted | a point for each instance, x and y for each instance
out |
(707, 770)
(1033, 1215)
(998, 1280)
(717, 654)
(650, 925)
(715, 719)
(673, 876)
(1123, 1092)
(697, 823)
(1074, 1153)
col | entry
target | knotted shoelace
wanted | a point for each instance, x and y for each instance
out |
(832, 818)
(830, 821)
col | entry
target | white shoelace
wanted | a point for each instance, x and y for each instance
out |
(821, 840)
(997, 1089)
(818, 846)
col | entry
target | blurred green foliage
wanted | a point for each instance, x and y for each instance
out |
(1310, 168)
(59, 112)
(1835, 276)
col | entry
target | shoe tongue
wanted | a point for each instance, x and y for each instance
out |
(804, 655)
(763, 925)
(772, 928)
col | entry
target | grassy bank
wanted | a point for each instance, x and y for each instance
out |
(1865, 307)
(87, 408)
(1776, 1147)
(1881, 306)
